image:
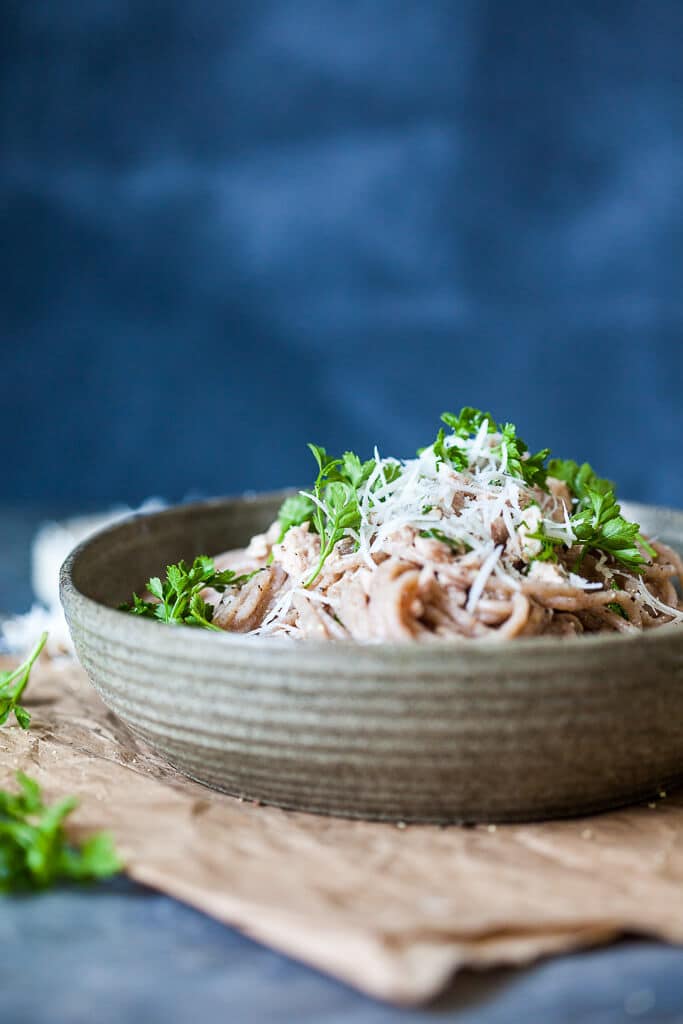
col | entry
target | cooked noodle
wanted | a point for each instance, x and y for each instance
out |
(482, 575)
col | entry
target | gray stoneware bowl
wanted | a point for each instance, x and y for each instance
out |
(468, 731)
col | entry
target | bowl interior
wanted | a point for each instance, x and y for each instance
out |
(110, 566)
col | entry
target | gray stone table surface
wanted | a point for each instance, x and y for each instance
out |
(121, 953)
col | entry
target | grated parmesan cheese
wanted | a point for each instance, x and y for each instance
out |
(481, 578)
(657, 605)
(583, 584)
(430, 494)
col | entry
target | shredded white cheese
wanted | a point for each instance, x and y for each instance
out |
(657, 605)
(481, 578)
(464, 506)
(583, 584)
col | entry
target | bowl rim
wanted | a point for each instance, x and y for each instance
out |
(480, 647)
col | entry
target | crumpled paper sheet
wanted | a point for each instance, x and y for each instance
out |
(393, 911)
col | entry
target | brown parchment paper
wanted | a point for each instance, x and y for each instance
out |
(393, 911)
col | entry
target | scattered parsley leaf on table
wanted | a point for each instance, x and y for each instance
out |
(12, 685)
(179, 595)
(34, 851)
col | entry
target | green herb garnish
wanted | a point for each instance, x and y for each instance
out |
(468, 422)
(12, 685)
(355, 472)
(647, 547)
(456, 545)
(179, 595)
(336, 504)
(580, 479)
(34, 851)
(300, 508)
(529, 468)
(614, 606)
(549, 545)
(294, 511)
(332, 508)
(391, 471)
(597, 522)
(601, 527)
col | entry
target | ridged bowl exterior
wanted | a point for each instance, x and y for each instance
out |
(444, 732)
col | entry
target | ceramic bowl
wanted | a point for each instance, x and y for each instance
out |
(445, 732)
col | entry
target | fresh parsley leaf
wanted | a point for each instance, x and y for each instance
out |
(597, 522)
(326, 463)
(647, 547)
(464, 425)
(300, 508)
(294, 511)
(333, 504)
(529, 468)
(566, 470)
(391, 471)
(601, 527)
(327, 472)
(456, 545)
(549, 545)
(445, 453)
(154, 584)
(468, 422)
(341, 513)
(355, 471)
(580, 479)
(179, 598)
(12, 685)
(34, 851)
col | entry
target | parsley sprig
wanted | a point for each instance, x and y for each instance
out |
(301, 508)
(597, 521)
(332, 507)
(335, 500)
(549, 545)
(448, 453)
(34, 851)
(520, 463)
(468, 422)
(12, 685)
(178, 597)
(602, 527)
(294, 511)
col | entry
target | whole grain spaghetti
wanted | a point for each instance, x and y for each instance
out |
(476, 537)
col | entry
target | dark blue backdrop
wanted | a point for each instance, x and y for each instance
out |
(228, 228)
